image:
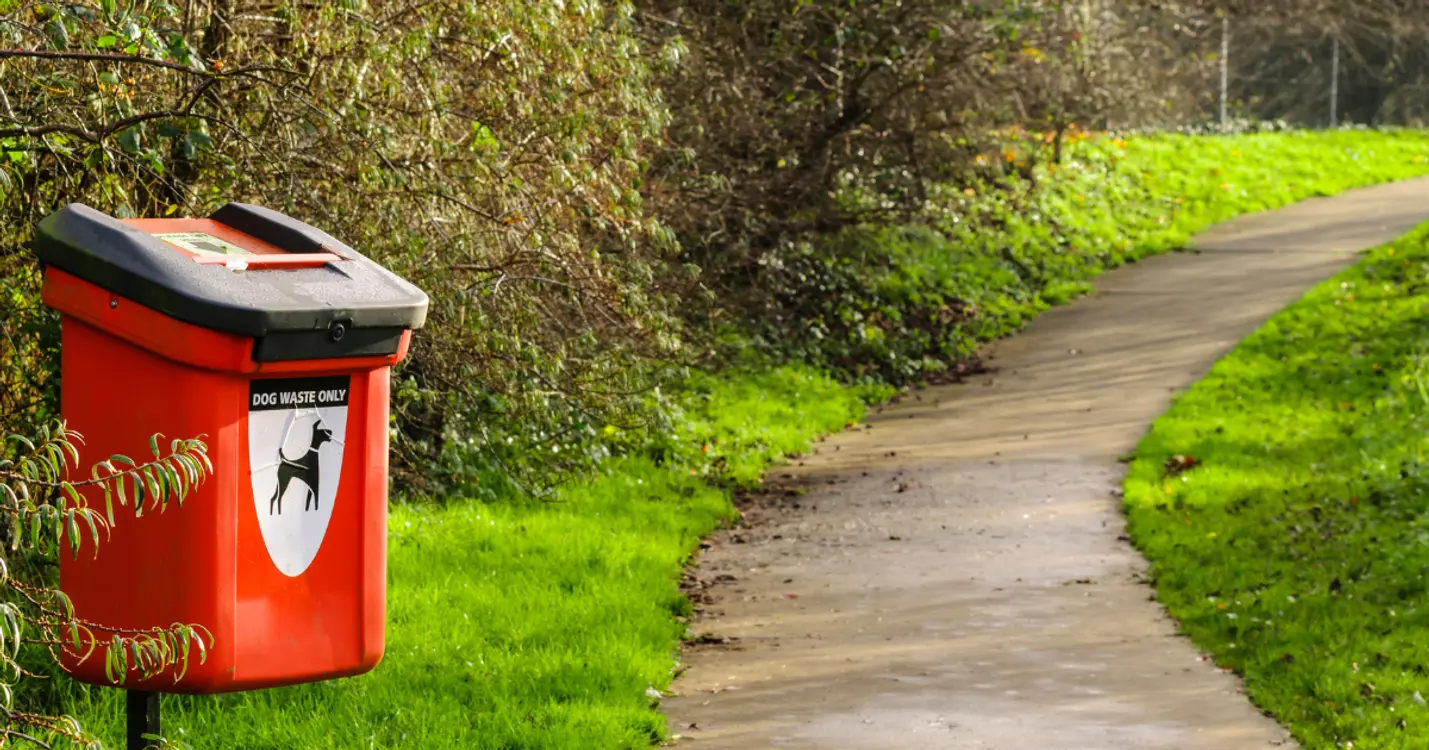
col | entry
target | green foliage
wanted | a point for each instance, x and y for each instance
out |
(805, 136)
(44, 513)
(531, 624)
(907, 302)
(1293, 548)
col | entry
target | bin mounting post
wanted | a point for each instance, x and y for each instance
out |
(141, 709)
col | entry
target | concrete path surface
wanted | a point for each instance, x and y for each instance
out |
(955, 575)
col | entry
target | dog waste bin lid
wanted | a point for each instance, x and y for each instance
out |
(245, 270)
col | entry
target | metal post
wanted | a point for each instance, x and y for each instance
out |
(1335, 81)
(141, 709)
(1225, 64)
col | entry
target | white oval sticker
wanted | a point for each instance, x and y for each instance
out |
(296, 430)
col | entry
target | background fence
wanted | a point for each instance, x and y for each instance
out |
(1358, 61)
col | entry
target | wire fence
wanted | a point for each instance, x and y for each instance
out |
(1308, 71)
(1319, 77)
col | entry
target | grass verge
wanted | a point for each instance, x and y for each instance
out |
(1291, 537)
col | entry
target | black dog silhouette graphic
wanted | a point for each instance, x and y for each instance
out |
(304, 469)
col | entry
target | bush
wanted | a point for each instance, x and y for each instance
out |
(490, 152)
(802, 130)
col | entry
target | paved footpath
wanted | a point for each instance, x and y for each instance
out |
(956, 575)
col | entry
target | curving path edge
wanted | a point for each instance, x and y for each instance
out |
(953, 573)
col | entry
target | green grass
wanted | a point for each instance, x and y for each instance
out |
(1297, 551)
(531, 624)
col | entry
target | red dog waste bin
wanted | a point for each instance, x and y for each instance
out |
(275, 342)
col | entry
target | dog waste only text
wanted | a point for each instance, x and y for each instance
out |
(295, 395)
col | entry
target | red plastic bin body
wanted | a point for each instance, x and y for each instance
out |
(129, 372)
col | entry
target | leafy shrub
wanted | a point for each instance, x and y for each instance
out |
(490, 152)
(800, 131)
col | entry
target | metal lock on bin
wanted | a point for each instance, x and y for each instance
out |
(275, 342)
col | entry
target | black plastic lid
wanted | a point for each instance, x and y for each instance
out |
(354, 293)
